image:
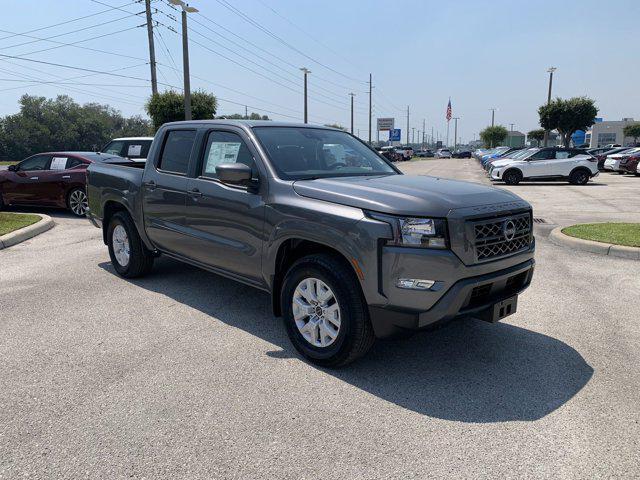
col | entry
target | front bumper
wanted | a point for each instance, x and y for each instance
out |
(473, 296)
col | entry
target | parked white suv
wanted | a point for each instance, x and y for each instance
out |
(553, 163)
(443, 153)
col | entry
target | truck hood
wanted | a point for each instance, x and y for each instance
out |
(403, 194)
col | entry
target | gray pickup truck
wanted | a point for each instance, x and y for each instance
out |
(349, 248)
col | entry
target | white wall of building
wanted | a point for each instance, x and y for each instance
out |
(604, 133)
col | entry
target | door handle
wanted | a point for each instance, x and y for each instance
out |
(151, 185)
(33, 178)
(195, 193)
(66, 176)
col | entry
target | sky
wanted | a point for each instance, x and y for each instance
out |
(481, 54)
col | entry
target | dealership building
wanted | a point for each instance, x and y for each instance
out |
(607, 132)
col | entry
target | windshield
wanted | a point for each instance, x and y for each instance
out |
(302, 153)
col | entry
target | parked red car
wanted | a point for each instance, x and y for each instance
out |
(630, 164)
(54, 179)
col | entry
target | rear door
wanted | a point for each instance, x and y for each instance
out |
(23, 186)
(64, 172)
(164, 189)
(565, 162)
(225, 222)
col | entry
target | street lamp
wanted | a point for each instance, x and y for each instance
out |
(185, 55)
(550, 70)
(306, 72)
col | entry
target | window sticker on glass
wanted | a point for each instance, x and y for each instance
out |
(134, 150)
(58, 163)
(222, 152)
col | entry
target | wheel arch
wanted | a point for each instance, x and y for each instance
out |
(292, 249)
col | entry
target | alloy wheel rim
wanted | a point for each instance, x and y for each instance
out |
(316, 312)
(121, 245)
(78, 202)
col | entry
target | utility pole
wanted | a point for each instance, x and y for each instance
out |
(432, 141)
(413, 135)
(407, 124)
(352, 95)
(306, 113)
(546, 132)
(455, 133)
(185, 56)
(493, 116)
(424, 123)
(370, 108)
(246, 113)
(152, 48)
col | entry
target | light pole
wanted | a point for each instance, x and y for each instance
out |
(185, 56)
(407, 124)
(550, 70)
(493, 116)
(306, 72)
(455, 133)
(352, 95)
(152, 50)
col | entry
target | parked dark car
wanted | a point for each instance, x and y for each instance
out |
(462, 154)
(349, 248)
(602, 156)
(424, 153)
(53, 179)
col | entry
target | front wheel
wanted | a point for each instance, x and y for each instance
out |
(324, 311)
(129, 256)
(512, 178)
(77, 202)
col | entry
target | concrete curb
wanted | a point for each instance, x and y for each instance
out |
(26, 233)
(559, 238)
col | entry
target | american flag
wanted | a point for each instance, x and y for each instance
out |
(449, 111)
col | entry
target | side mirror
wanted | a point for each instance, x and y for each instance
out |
(13, 168)
(234, 173)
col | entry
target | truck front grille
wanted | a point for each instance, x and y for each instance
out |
(503, 236)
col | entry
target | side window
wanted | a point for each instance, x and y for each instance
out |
(114, 148)
(542, 155)
(73, 162)
(225, 147)
(562, 154)
(37, 162)
(176, 151)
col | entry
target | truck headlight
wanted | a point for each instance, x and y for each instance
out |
(415, 231)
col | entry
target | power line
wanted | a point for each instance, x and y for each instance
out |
(68, 21)
(256, 24)
(73, 31)
(73, 44)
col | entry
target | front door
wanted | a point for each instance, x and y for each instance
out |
(164, 191)
(541, 164)
(225, 222)
(24, 185)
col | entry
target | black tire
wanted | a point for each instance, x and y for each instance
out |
(1, 202)
(620, 172)
(512, 177)
(140, 258)
(77, 201)
(355, 335)
(579, 177)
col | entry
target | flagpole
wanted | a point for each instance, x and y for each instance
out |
(447, 144)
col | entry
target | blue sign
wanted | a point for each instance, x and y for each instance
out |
(394, 135)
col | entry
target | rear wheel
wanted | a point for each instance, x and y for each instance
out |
(512, 177)
(77, 201)
(324, 311)
(129, 256)
(579, 177)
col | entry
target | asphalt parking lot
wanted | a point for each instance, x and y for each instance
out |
(185, 374)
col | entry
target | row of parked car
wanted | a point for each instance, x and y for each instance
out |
(576, 165)
(57, 179)
(401, 153)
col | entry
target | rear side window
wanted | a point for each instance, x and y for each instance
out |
(137, 148)
(37, 162)
(176, 151)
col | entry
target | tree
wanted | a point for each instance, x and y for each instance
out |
(493, 136)
(632, 130)
(335, 125)
(238, 116)
(169, 107)
(537, 135)
(62, 124)
(567, 116)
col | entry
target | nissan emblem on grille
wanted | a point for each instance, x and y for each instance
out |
(498, 237)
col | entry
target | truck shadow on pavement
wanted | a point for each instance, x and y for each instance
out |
(467, 371)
